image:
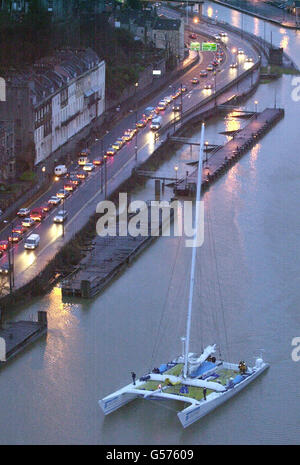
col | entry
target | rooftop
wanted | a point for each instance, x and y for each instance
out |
(53, 72)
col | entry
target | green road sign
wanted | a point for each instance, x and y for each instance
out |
(209, 47)
(195, 46)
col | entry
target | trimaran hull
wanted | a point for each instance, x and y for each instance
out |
(189, 415)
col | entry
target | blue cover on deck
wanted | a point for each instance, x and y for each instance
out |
(205, 366)
(238, 379)
(163, 367)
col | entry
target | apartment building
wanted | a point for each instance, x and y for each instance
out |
(53, 100)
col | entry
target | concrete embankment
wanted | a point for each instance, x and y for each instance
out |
(110, 256)
(17, 335)
(223, 158)
(264, 15)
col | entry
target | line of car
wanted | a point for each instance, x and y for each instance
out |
(30, 217)
(149, 114)
(218, 59)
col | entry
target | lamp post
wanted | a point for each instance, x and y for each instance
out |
(63, 218)
(102, 158)
(215, 76)
(136, 140)
(176, 171)
(181, 102)
(105, 177)
(206, 151)
(10, 256)
(256, 103)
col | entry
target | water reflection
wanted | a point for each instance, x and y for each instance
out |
(284, 42)
(232, 123)
(210, 12)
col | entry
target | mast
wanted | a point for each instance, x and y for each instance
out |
(193, 265)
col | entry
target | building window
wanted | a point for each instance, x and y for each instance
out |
(64, 98)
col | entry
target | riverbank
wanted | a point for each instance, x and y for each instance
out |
(38, 279)
(263, 11)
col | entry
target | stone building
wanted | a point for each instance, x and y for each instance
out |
(163, 33)
(168, 34)
(52, 101)
(7, 151)
(60, 9)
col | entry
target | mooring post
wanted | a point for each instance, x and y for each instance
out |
(42, 318)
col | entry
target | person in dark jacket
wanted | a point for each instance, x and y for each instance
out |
(133, 377)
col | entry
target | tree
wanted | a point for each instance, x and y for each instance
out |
(134, 4)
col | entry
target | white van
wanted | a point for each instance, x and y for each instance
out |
(156, 123)
(60, 170)
(32, 241)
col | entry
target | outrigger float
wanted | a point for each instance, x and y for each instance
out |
(222, 380)
(202, 381)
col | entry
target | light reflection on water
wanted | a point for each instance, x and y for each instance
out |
(49, 394)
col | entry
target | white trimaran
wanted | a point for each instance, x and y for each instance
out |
(202, 381)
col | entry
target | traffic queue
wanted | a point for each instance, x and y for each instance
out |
(31, 217)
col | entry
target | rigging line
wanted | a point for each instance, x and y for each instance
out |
(213, 287)
(165, 302)
(172, 322)
(220, 293)
(184, 297)
(217, 304)
(200, 320)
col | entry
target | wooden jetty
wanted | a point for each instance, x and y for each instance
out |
(17, 335)
(223, 158)
(109, 257)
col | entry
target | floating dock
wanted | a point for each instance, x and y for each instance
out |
(16, 335)
(224, 157)
(109, 257)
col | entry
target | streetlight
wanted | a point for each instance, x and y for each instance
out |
(63, 217)
(105, 176)
(206, 150)
(256, 103)
(10, 256)
(234, 51)
(176, 171)
(136, 145)
(215, 76)
(101, 172)
(44, 171)
(181, 102)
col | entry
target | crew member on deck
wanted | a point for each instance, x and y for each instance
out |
(242, 367)
(133, 377)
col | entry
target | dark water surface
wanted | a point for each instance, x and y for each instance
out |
(49, 394)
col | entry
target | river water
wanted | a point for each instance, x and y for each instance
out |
(49, 393)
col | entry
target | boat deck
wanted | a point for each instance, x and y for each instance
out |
(219, 375)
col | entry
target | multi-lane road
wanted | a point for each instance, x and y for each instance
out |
(82, 202)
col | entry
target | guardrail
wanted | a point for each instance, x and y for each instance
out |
(189, 113)
(258, 43)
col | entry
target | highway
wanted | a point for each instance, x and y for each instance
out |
(82, 203)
